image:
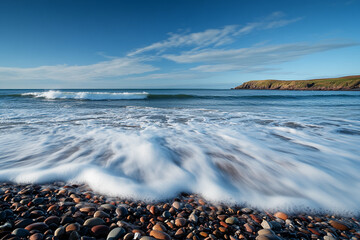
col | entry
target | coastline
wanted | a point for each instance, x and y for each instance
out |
(59, 211)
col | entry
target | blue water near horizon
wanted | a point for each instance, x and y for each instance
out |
(266, 148)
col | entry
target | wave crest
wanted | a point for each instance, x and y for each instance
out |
(88, 95)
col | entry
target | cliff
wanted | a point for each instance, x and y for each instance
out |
(327, 84)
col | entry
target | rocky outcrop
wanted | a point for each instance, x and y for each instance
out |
(328, 84)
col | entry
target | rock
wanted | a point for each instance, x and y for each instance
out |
(116, 233)
(87, 209)
(159, 235)
(101, 214)
(193, 218)
(52, 219)
(281, 215)
(72, 227)
(266, 225)
(249, 228)
(93, 222)
(36, 236)
(180, 222)
(128, 236)
(21, 232)
(338, 225)
(40, 226)
(121, 211)
(107, 206)
(176, 205)
(59, 231)
(100, 231)
(23, 223)
(246, 210)
(180, 233)
(267, 237)
(231, 220)
(74, 235)
(147, 238)
(265, 232)
(159, 227)
(154, 210)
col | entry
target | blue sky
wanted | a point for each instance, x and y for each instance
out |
(174, 44)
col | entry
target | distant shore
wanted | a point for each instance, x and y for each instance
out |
(348, 83)
(59, 211)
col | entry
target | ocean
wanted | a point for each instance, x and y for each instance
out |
(263, 148)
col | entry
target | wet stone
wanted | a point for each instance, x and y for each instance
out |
(93, 222)
(116, 233)
(20, 232)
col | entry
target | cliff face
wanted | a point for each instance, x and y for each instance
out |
(328, 84)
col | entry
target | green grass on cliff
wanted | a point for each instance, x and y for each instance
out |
(342, 83)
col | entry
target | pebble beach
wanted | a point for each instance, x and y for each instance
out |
(60, 211)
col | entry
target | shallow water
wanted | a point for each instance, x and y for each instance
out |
(269, 149)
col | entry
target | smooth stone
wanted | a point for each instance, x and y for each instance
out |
(267, 237)
(166, 214)
(176, 205)
(52, 219)
(100, 230)
(159, 227)
(180, 222)
(116, 233)
(72, 227)
(20, 232)
(281, 215)
(74, 235)
(147, 238)
(266, 232)
(108, 206)
(159, 235)
(338, 225)
(329, 238)
(231, 220)
(59, 231)
(246, 210)
(193, 218)
(128, 236)
(87, 209)
(266, 225)
(101, 214)
(36, 236)
(121, 211)
(37, 226)
(23, 223)
(93, 222)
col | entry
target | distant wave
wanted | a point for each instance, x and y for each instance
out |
(88, 95)
(56, 94)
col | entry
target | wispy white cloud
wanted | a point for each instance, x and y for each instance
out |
(112, 68)
(245, 58)
(215, 37)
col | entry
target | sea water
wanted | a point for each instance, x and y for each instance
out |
(267, 149)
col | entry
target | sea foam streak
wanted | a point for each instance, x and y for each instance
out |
(88, 95)
(154, 153)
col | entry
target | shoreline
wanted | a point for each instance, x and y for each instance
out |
(59, 211)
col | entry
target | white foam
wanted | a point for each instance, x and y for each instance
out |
(88, 95)
(145, 153)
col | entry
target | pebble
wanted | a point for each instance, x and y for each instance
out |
(20, 232)
(159, 235)
(338, 225)
(93, 222)
(281, 215)
(100, 230)
(116, 233)
(58, 212)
